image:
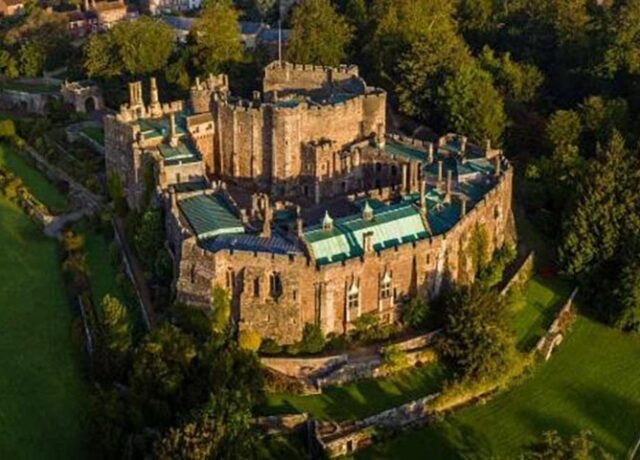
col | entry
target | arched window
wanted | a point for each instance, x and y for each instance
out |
(353, 301)
(385, 286)
(275, 285)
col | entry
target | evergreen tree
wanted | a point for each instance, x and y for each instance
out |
(115, 326)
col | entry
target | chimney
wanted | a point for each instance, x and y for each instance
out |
(423, 197)
(440, 164)
(447, 198)
(257, 96)
(244, 216)
(430, 153)
(134, 96)
(463, 206)
(299, 227)
(275, 96)
(197, 82)
(405, 169)
(174, 199)
(154, 91)
(86, 5)
(463, 145)
(487, 147)
(498, 165)
(367, 242)
(173, 137)
(266, 224)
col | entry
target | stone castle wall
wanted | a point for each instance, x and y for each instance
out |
(318, 295)
(294, 78)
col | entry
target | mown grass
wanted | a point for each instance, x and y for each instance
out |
(34, 180)
(42, 394)
(363, 398)
(534, 311)
(592, 382)
(102, 273)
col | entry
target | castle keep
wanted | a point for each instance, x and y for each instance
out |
(300, 204)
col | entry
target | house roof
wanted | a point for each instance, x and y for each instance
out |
(391, 226)
(210, 216)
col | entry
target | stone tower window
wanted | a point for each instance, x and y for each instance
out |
(256, 287)
(385, 286)
(275, 285)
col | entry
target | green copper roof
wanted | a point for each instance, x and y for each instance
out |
(404, 151)
(209, 216)
(391, 226)
(184, 152)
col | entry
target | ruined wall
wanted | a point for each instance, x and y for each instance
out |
(291, 78)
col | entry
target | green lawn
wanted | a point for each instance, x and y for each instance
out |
(35, 181)
(535, 311)
(102, 273)
(591, 382)
(42, 394)
(363, 398)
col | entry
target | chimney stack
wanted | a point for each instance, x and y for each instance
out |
(440, 164)
(173, 137)
(135, 94)
(423, 197)
(463, 145)
(498, 165)
(447, 198)
(367, 212)
(367, 242)
(154, 91)
(463, 206)
(299, 227)
(430, 153)
(405, 169)
(327, 222)
(266, 224)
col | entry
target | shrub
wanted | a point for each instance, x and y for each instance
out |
(313, 340)
(416, 313)
(270, 347)
(367, 329)
(394, 359)
(249, 340)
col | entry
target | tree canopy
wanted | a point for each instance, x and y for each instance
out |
(136, 48)
(319, 35)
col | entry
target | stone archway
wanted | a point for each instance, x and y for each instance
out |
(90, 105)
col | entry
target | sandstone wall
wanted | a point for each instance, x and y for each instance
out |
(294, 78)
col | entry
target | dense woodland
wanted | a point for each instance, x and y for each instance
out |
(556, 83)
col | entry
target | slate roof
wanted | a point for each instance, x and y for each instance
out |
(277, 244)
(210, 216)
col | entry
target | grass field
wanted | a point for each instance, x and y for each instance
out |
(102, 273)
(363, 398)
(35, 181)
(42, 395)
(535, 311)
(591, 382)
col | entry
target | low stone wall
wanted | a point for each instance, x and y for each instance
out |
(304, 368)
(558, 328)
(345, 438)
(281, 424)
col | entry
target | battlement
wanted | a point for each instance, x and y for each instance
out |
(351, 70)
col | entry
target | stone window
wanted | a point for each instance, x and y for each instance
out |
(294, 294)
(353, 301)
(428, 259)
(256, 287)
(192, 275)
(275, 285)
(385, 287)
(496, 212)
(231, 280)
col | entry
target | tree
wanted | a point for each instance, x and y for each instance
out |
(221, 308)
(8, 65)
(149, 237)
(564, 128)
(249, 340)
(319, 35)
(139, 47)
(469, 103)
(214, 42)
(517, 82)
(115, 326)
(552, 446)
(476, 337)
(416, 313)
(313, 339)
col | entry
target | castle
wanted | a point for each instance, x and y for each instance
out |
(300, 204)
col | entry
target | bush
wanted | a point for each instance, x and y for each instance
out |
(394, 359)
(270, 347)
(416, 313)
(249, 340)
(313, 340)
(369, 329)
